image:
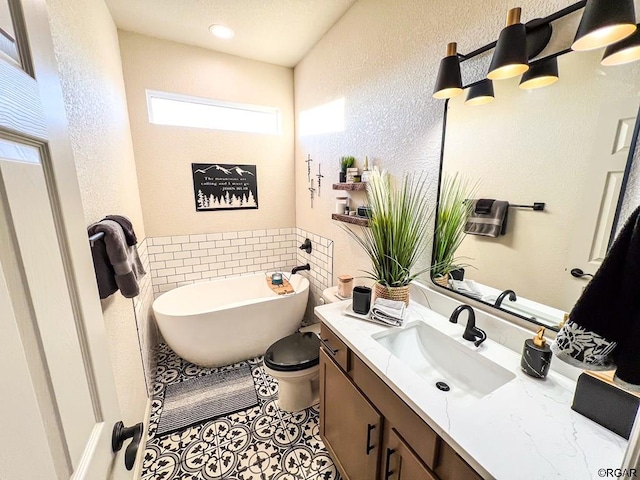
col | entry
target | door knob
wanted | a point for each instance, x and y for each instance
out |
(579, 273)
(122, 433)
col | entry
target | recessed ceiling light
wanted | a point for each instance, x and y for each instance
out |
(221, 31)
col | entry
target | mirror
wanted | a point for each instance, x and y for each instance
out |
(8, 45)
(568, 145)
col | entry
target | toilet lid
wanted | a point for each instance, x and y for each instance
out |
(295, 352)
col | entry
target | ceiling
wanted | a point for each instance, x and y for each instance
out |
(273, 31)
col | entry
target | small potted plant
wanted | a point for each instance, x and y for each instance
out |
(397, 234)
(453, 213)
(345, 163)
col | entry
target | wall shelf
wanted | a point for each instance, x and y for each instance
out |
(352, 219)
(359, 186)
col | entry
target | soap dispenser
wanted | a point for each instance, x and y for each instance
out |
(536, 356)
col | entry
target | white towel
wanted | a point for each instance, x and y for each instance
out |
(467, 287)
(389, 312)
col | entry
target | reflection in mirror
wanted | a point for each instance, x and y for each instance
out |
(8, 44)
(566, 145)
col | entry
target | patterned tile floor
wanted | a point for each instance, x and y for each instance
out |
(261, 443)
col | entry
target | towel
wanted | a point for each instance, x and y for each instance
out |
(467, 287)
(389, 312)
(117, 264)
(492, 224)
(127, 228)
(483, 205)
(603, 330)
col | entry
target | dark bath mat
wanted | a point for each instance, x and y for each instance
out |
(204, 398)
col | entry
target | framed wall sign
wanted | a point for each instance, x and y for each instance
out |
(218, 186)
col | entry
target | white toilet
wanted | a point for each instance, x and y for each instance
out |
(294, 362)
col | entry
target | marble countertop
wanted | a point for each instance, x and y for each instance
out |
(524, 429)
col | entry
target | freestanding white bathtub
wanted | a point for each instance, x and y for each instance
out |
(224, 321)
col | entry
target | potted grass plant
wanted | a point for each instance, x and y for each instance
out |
(397, 234)
(345, 163)
(453, 212)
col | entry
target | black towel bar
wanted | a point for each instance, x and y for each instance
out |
(537, 206)
(95, 237)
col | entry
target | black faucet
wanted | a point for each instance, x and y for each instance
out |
(512, 297)
(471, 332)
(301, 267)
(306, 246)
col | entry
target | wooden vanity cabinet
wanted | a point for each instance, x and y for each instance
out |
(399, 462)
(349, 425)
(452, 467)
(370, 432)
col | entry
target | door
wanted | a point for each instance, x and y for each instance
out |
(399, 461)
(600, 194)
(59, 418)
(349, 424)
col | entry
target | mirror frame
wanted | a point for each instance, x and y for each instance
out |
(634, 143)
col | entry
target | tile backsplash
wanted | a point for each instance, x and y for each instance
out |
(146, 326)
(321, 261)
(186, 259)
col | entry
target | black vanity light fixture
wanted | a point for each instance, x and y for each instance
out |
(625, 51)
(540, 74)
(449, 81)
(510, 57)
(481, 93)
(604, 22)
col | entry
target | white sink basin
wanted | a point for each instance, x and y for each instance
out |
(438, 358)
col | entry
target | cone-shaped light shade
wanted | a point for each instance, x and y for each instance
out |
(626, 51)
(540, 74)
(510, 56)
(449, 81)
(604, 22)
(480, 93)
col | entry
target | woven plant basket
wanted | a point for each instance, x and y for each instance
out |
(443, 281)
(400, 294)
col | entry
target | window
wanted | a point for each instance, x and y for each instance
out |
(186, 111)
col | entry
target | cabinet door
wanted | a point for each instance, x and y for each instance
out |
(399, 461)
(350, 426)
(452, 467)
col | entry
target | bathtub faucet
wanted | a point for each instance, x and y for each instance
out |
(301, 267)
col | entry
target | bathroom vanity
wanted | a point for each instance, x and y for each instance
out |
(384, 413)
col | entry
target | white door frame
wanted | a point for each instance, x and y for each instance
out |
(32, 112)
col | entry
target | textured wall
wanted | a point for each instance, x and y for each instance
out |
(86, 47)
(164, 153)
(382, 59)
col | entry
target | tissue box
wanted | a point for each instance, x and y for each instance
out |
(621, 406)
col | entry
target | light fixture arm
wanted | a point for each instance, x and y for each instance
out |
(529, 25)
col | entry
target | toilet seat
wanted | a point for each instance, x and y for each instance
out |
(294, 353)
